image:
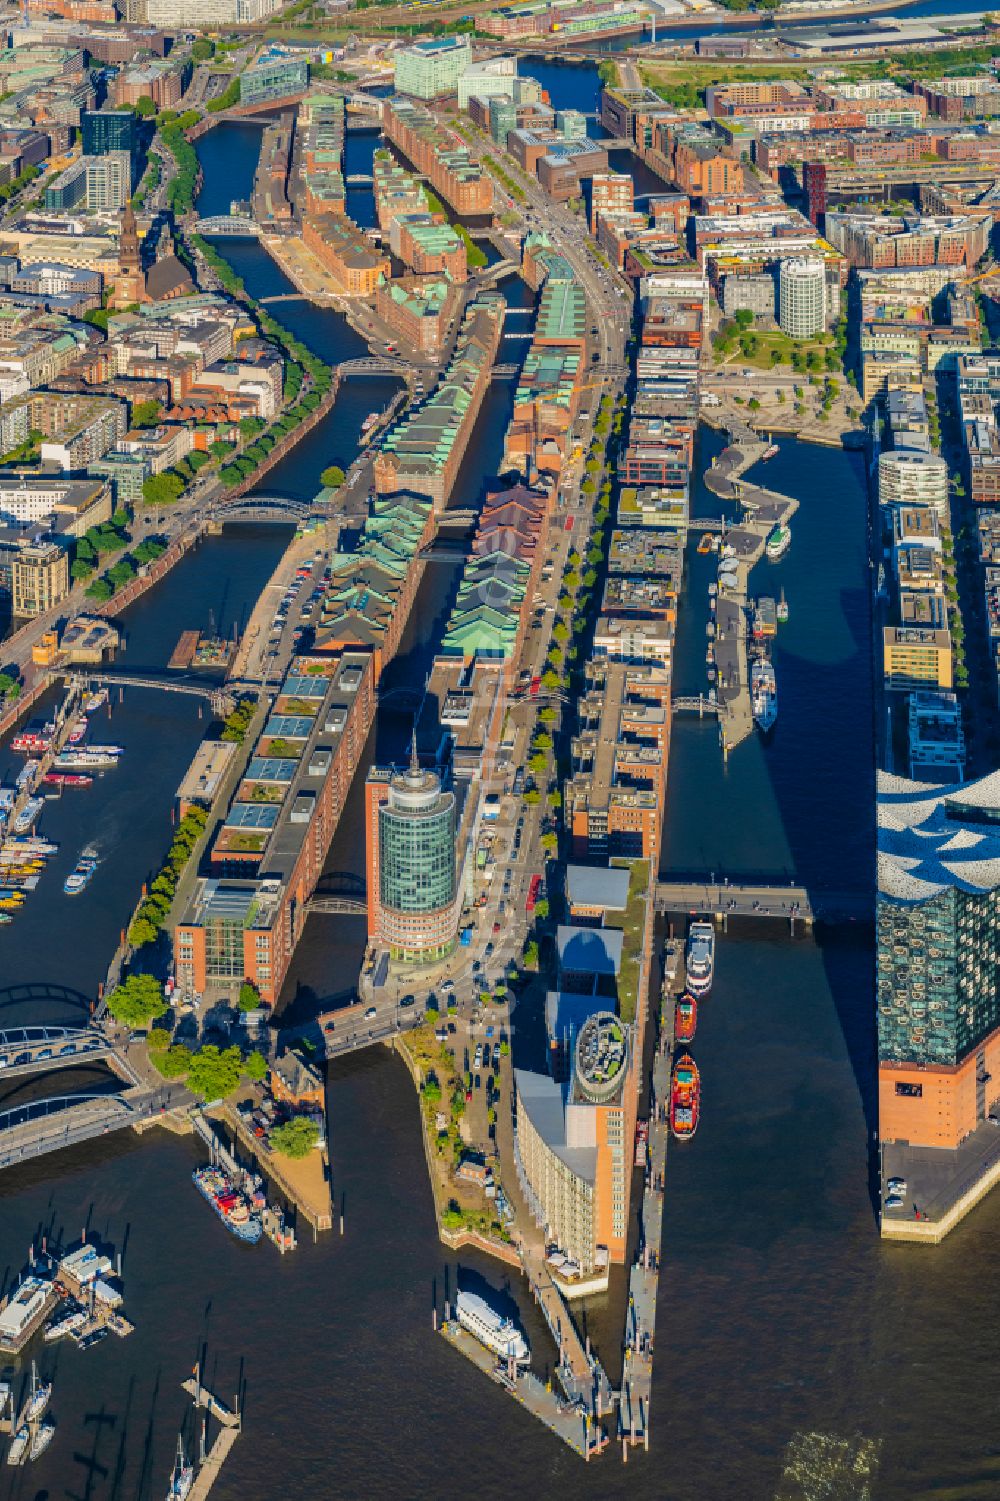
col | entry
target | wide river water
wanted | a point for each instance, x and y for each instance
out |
(789, 1339)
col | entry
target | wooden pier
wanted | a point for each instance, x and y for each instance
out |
(762, 511)
(573, 1422)
(230, 1427)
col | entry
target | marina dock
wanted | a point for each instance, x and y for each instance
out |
(573, 1422)
(230, 1428)
(644, 1277)
(762, 511)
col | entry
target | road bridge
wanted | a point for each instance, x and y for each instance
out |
(28, 1050)
(700, 705)
(254, 507)
(373, 365)
(227, 224)
(791, 903)
(40, 1126)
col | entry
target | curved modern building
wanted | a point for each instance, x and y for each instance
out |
(909, 477)
(938, 949)
(802, 297)
(414, 866)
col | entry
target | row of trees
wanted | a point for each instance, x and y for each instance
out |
(122, 572)
(182, 186)
(153, 909)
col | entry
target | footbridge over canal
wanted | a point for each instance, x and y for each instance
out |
(220, 699)
(791, 903)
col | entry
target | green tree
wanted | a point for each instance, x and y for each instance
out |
(332, 477)
(215, 1072)
(175, 1062)
(162, 489)
(81, 569)
(146, 413)
(249, 996)
(158, 1039)
(431, 1091)
(144, 107)
(142, 930)
(530, 954)
(295, 1138)
(541, 909)
(9, 686)
(137, 1001)
(255, 1066)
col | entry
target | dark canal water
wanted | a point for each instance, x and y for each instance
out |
(785, 1328)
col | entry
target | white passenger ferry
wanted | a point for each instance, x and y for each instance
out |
(700, 958)
(498, 1334)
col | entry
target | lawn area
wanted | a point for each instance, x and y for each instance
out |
(631, 921)
(768, 343)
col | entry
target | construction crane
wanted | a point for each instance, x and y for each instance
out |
(971, 281)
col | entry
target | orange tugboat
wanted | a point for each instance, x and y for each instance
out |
(685, 1019)
(685, 1097)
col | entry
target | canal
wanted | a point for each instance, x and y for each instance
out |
(788, 1336)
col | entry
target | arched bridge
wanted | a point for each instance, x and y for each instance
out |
(343, 906)
(254, 507)
(25, 1050)
(227, 224)
(373, 365)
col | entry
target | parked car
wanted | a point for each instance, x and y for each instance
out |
(370, 1014)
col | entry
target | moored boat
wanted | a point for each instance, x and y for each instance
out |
(41, 1391)
(24, 820)
(700, 970)
(182, 1478)
(18, 1451)
(498, 1334)
(685, 1097)
(229, 1203)
(778, 543)
(764, 694)
(685, 1019)
(41, 1438)
(782, 609)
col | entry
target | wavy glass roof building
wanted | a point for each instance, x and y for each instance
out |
(938, 975)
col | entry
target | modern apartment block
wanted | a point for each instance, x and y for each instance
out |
(274, 78)
(614, 802)
(244, 921)
(573, 1147)
(431, 69)
(39, 578)
(908, 477)
(802, 297)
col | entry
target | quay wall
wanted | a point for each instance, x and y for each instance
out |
(933, 1232)
(454, 1239)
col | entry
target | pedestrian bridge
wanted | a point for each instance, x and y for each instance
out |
(220, 700)
(790, 903)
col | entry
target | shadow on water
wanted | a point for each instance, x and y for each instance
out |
(798, 806)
